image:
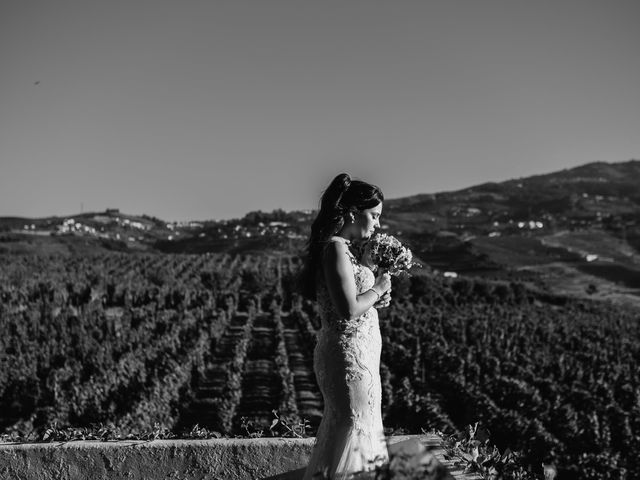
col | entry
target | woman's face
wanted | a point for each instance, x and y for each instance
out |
(366, 221)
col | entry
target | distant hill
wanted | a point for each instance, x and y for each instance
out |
(568, 198)
(576, 229)
(601, 196)
(82, 233)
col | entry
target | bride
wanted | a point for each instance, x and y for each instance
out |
(350, 437)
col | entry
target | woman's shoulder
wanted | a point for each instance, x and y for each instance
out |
(338, 249)
(337, 245)
(339, 240)
(334, 246)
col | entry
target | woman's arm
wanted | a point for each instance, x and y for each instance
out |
(338, 274)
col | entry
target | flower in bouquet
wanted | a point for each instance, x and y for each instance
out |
(386, 252)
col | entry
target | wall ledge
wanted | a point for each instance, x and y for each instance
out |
(225, 459)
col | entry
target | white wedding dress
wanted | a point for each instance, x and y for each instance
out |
(350, 437)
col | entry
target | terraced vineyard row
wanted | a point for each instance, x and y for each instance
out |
(137, 340)
(213, 339)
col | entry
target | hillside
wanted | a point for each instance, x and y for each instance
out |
(576, 230)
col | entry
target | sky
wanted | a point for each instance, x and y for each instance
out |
(197, 110)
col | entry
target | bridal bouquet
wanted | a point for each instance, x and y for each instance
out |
(387, 253)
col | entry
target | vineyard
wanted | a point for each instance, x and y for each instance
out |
(218, 340)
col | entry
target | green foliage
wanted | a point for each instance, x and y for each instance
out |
(552, 377)
(108, 340)
(472, 451)
(109, 432)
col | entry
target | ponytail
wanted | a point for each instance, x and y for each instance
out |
(332, 196)
(342, 196)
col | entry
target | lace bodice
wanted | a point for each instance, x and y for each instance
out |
(331, 320)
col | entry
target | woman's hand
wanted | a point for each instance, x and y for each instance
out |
(384, 300)
(382, 283)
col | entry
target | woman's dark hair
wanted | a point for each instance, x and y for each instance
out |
(342, 196)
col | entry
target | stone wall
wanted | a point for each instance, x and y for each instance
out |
(225, 459)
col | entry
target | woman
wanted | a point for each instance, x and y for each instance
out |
(347, 355)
